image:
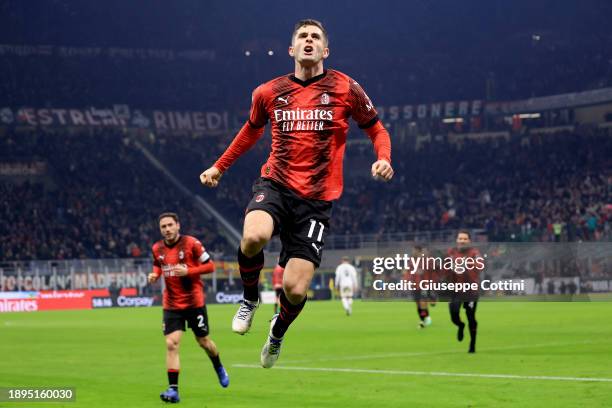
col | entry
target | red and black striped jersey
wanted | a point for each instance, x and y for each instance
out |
(309, 125)
(182, 292)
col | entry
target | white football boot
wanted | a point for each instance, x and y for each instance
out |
(271, 349)
(244, 316)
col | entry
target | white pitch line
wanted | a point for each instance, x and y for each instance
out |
(431, 373)
(431, 353)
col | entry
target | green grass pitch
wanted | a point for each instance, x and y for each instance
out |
(373, 358)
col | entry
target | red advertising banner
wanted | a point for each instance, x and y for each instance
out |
(56, 299)
(68, 299)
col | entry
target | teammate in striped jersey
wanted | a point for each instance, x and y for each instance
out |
(181, 259)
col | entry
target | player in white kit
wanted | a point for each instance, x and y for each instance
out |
(346, 283)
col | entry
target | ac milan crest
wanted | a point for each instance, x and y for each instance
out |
(325, 99)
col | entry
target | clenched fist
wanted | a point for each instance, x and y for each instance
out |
(382, 170)
(211, 177)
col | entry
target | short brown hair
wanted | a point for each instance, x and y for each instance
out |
(172, 215)
(309, 22)
(466, 232)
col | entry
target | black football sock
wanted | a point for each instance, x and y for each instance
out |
(473, 328)
(460, 332)
(454, 308)
(216, 361)
(249, 272)
(288, 313)
(472, 345)
(173, 378)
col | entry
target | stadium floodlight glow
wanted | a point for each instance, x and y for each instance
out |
(529, 115)
(452, 120)
(270, 53)
(247, 53)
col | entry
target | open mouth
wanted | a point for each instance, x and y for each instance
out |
(308, 50)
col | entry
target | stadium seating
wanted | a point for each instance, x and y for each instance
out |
(99, 198)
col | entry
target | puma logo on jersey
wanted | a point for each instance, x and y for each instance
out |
(316, 248)
(285, 100)
(369, 106)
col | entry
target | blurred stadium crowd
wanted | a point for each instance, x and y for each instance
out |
(540, 187)
(95, 198)
(98, 196)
